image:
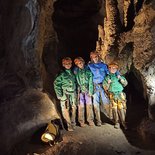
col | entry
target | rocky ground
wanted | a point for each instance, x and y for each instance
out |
(96, 140)
(92, 140)
(99, 140)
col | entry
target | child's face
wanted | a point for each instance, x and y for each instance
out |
(67, 65)
(80, 64)
(95, 59)
(113, 70)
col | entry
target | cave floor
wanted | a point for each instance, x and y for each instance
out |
(92, 141)
(98, 140)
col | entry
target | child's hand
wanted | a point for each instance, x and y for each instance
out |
(118, 76)
(109, 81)
(59, 98)
(122, 80)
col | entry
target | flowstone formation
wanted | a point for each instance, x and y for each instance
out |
(132, 46)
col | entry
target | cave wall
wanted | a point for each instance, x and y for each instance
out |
(143, 38)
(26, 33)
(133, 49)
(28, 41)
(20, 68)
(29, 53)
(132, 46)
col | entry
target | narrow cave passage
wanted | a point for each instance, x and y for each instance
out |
(29, 62)
(76, 26)
(137, 110)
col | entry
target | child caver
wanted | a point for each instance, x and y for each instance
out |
(85, 91)
(99, 71)
(114, 84)
(65, 87)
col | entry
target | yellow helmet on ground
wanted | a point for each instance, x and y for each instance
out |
(50, 134)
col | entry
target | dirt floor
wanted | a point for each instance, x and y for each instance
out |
(104, 140)
(96, 141)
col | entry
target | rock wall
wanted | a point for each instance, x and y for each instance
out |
(26, 34)
(143, 38)
(134, 50)
(23, 116)
(28, 54)
(134, 43)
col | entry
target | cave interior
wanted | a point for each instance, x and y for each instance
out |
(36, 35)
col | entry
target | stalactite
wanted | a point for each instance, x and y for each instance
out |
(126, 7)
(112, 26)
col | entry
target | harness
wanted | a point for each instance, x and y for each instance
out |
(97, 85)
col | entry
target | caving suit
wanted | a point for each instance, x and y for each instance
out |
(84, 79)
(117, 96)
(99, 71)
(65, 89)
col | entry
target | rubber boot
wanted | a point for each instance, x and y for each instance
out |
(89, 112)
(117, 125)
(107, 109)
(110, 112)
(73, 116)
(81, 116)
(122, 118)
(124, 107)
(115, 114)
(97, 115)
(65, 113)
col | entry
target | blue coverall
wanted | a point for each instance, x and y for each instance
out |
(99, 70)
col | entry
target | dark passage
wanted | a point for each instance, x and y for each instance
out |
(137, 110)
(76, 25)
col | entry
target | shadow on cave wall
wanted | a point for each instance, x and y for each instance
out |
(137, 111)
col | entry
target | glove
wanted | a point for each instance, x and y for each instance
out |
(118, 76)
(59, 98)
(109, 81)
(121, 80)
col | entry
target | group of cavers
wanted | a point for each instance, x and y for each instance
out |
(84, 89)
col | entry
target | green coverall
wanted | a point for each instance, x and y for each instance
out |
(85, 91)
(65, 89)
(117, 96)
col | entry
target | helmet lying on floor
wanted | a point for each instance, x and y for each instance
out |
(52, 134)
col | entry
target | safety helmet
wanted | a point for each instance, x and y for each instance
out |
(50, 134)
(78, 59)
(93, 54)
(66, 60)
(46, 137)
(113, 65)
